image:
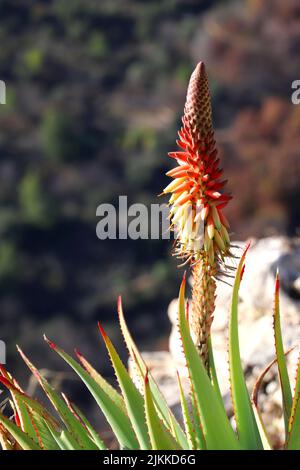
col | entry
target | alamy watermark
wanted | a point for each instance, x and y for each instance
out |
(2, 352)
(134, 222)
(295, 97)
(2, 92)
(139, 221)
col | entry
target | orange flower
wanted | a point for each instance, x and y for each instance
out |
(197, 200)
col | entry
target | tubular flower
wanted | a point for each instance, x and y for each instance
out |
(196, 205)
(196, 199)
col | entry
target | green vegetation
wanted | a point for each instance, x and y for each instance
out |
(139, 416)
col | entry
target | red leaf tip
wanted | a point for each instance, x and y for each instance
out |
(50, 343)
(277, 282)
(248, 244)
(78, 353)
(104, 335)
(183, 282)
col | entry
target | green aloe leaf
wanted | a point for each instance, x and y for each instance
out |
(245, 419)
(32, 416)
(25, 419)
(254, 399)
(212, 370)
(73, 425)
(21, 437)
(118, 421)
(141, 370)
(133, 399)
(161, 438)
(64, 439)
(293, 438)
(217, 431)
(281, 362)
(199, 436)
(96, 438)
(189, 429)
(108, 389)
(28, 401)
(6, 440)
(46, 440)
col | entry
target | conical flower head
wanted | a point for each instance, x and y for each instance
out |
(197, 198)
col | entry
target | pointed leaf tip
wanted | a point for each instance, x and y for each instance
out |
(49, 342)
(277, 282)
(248, 244)
(31, 367)
(119, 304)
(104, 335)
(78, 353)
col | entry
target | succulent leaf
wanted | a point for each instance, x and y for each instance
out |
(189, 429)
(110, 391)
(293, 439)
(281, 362)
(70, 421)
(25, 441)
(245, 420)
(217, 431)
(161, 438)
(118, 421)
(132, 397)
(141, 369)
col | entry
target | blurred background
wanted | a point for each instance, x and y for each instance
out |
(95, 92)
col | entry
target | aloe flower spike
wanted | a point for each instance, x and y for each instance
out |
(196, 205)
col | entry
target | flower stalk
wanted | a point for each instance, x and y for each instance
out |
(196, 206)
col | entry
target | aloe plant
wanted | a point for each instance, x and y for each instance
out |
(137, 411)
(139, 416)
